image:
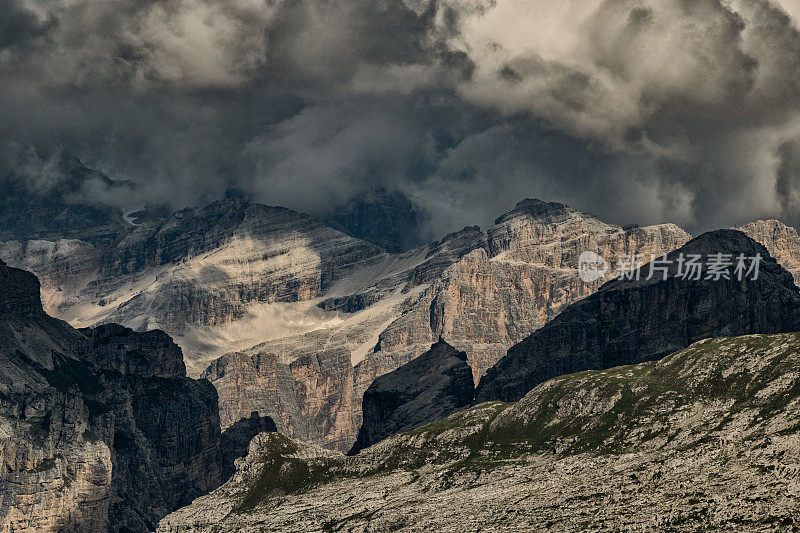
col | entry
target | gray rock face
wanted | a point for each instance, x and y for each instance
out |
(312, 383)
(704, 439)
(385, 218)
(196, 272)
(100, 429)
(630, 321)
(525, 274)
(781, 241)
(225, 256)
(427, 389)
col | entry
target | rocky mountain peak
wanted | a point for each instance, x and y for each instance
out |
(19, 292)
(782, 242)
(535, 208)
(731, 243)
(634, 320)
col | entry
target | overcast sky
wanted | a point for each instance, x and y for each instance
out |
(640, 111)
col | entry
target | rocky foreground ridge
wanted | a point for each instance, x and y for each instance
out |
(707, 437)
(100, 429)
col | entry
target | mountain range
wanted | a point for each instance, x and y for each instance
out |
(293, 318)
(348, 345)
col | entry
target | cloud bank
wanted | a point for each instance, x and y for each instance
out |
(638, 110)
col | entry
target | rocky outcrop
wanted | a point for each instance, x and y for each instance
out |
(781, 241)
(100, 429)
(236, 439)
(633, 320)
(706, 438)
(427, 389)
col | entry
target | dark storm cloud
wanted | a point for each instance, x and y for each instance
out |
(788, 184)
(18, 25)
(641, 111)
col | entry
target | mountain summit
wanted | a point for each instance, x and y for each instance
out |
(633, 320)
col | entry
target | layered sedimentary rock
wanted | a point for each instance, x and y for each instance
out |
(298, 318)
(99, 428)
(426, 389)
(213, 262)
(781, 241)
(706, 438)
(257, 284)
(290, 300)
(482, 293)
(311, 383)
(525, 275)
(644, 318)
(196, 272)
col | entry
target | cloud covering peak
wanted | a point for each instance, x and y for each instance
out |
(638, 110)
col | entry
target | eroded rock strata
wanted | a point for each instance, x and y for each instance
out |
(781, 241)
(482, 292)
(278, 301)
(633, 320)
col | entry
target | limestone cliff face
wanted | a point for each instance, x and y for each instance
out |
(427, 389)
(781, 241)
(495, 296)
(212, 263)
(305, 317)
(312, 384)
(100, 429)
(630, 321)
(704, 439)
(195, 272)
(297, 319)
